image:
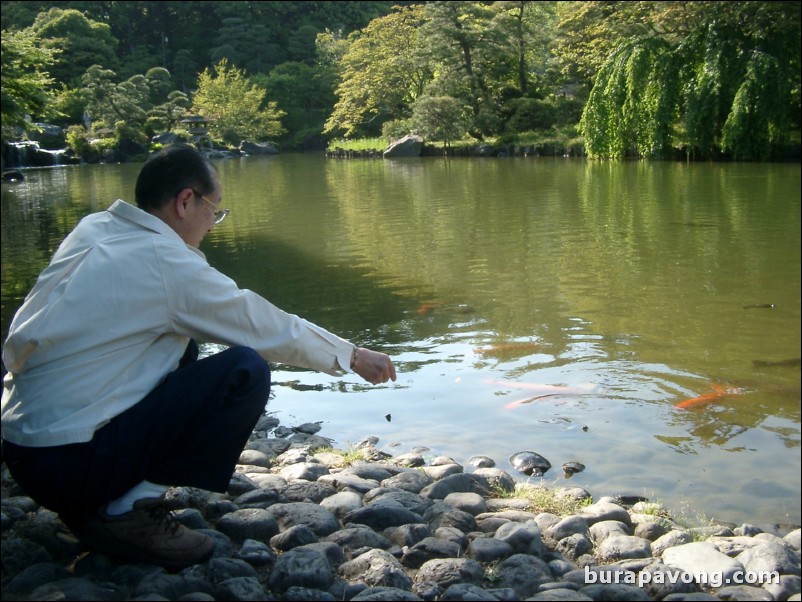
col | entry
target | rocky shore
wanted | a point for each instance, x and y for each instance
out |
(302, 522)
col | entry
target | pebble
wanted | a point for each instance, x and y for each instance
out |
(297, 524)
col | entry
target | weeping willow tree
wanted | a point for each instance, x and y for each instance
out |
(757, 123)
(633, 103)
(716, 91)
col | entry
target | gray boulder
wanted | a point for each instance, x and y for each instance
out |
(410, 145)
(257, 148)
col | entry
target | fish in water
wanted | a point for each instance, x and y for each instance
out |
(426, 308)
(429, 308)
(580, 389)
(507, 348)
(543, 390)
(519, 402)
(719, 392)
(791, 363)
(760, 306)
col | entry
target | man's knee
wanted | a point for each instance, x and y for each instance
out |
(254, 365)
(250, 359)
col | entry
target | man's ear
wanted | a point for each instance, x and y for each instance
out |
(182, 199)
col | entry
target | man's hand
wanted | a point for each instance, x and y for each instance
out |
(373, 366)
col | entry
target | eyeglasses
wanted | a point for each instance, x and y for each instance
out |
(219, 214)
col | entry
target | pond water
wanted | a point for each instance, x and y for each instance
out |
(552, 305)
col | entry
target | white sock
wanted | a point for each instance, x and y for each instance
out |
(125, 503)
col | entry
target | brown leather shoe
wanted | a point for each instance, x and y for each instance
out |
(150, 533)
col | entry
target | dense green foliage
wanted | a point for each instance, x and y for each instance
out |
(731, 85)
(648, 79)
(233, 105)
(381, 73)
(25, 77)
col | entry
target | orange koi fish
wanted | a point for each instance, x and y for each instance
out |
(507, 348)
(426, 308)
(718, 393)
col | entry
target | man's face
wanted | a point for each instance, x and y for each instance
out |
(202, 214)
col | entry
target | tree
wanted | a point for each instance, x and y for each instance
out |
(587, 33)
(165, 116)
(632, 103)
(440, 118)
(263, 54)
(472, 58)
(382, 73)
(454, 31)
(69, 106)
(231, 38)
(301, 43)
(234, 107)
(142, 105)
(109, 103)
(160, 84)
(525, 27)
(304, 93)
(82, 43)
(246, 44)
(25, 79)
(184, 69)
(758, 122)
(730, 84)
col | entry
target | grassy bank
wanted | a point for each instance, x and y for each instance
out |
(554, 138)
